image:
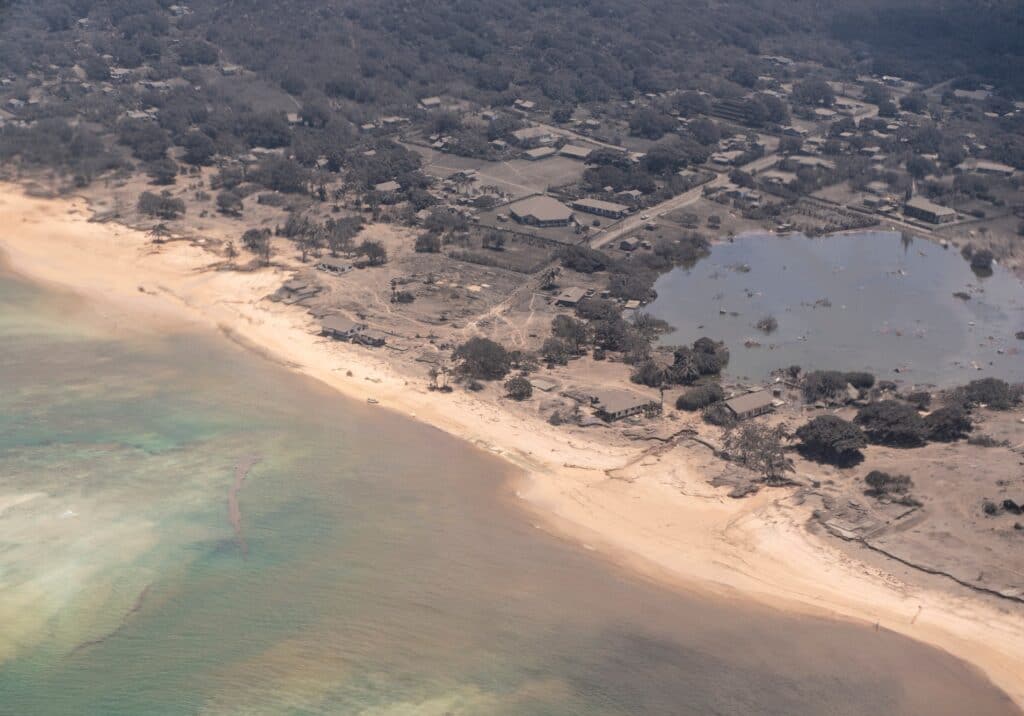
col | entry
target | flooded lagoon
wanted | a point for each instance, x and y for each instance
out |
(364, 564)
(875, 301)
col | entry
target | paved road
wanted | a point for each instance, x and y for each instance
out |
(635, 222)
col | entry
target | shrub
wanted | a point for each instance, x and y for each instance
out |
(718, 414)
(891, 422)
(993, 392)
(919, 399)
(829, 438)
(700, 397)
(883, 483)
(860, 380)
(482, 359)
(428, 243)
(948, 424)
(518, 388)
(823, 385)
(583, 259)
(162, 205)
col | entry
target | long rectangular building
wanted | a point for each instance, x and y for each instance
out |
(601, 208)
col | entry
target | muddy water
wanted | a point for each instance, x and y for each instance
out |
(872, 301)
(355, 563)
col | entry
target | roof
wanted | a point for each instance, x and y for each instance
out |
(749, 401)
(338, 264)
(601, 205)
(922, 204)
(387, 186)
(338, 324)
(574, 294)
(540, 152)
(541, 208)
(531, 133)
(616, 401)
(576, 151)
(984, 165)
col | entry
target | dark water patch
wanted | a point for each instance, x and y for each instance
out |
(875, 301)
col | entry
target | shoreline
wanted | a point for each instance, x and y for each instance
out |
(654, 515)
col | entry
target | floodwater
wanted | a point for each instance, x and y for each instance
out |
(364, 564)
(874, 301)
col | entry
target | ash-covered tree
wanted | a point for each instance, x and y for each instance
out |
(700, 397)
(428, 243)
(576, 334)
(893, 423)
(481, 358)
(995, 393)
(760, 448)
(258, 241)
(518, 388)
(948, 424)
(374, 251)
(229, 202)
(830, 439)
(884, 484)
(162, 205)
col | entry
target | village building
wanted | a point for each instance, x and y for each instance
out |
(388, 190)
(984, 166)
(571, 297)
(340, 328)
(750, 405)
(336, 266)
(601, 208)
(615, 404)
(430, 102)
(369, 338)
(538, 153)
(920, 208)
(540, 210)
(777, 177)
(575, 151)
(531, 137)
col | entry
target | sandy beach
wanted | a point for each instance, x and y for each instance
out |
(656, 515)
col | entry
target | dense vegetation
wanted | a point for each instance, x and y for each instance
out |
(363, 59)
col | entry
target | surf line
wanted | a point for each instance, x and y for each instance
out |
(234, 511)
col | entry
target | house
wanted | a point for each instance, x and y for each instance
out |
(615, 404)
(601, 208)
(983, 166)
(630, 244)
(388, 190)
(530, 137)
(231, 70)
(570, 297)
(726, 159)
(499, 144)
(920, 208)
(544, 384)
(525, 105)
(430, 102)
(540, 210)
(333, 265)
(340, 328)
(634, 197)
(750, 405)
(369, 338)
(777, 177)
(540, 153)
(575, 151)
